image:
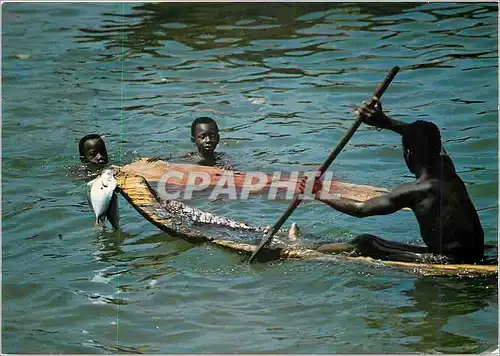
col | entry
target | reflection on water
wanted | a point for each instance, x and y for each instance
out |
(280, 79)
(156, 30)
(434, 318)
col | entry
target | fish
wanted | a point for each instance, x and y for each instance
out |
(103, 200)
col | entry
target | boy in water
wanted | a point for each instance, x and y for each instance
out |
(94, 155)
(205, 135)
(449, 224)
(93, 150)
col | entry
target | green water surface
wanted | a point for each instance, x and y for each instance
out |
(280, 79)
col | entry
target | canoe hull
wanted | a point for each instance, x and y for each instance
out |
(137, 191)
(155, 171)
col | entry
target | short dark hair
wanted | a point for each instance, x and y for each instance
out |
(423, 139)
(81, 145)
(202, 120)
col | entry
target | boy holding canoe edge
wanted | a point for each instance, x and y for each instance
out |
(449, 223)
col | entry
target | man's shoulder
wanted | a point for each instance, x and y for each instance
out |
(417, 188)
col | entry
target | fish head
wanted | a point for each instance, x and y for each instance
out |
(108, 174)
(108, 178)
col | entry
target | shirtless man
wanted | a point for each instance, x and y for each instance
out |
(449, 224)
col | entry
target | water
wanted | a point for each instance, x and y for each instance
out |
(280, 80)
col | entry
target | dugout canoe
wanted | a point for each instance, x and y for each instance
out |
(196, 226)
(154, 171)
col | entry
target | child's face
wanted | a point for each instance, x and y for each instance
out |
(206, 138)
(94, 151)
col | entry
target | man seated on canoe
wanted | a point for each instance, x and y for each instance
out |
(205, 135)
(449, 223)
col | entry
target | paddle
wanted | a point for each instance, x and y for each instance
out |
(333, 154)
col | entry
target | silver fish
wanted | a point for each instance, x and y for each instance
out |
(103, 200)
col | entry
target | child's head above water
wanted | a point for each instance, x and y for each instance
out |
(93, 150)
(205, 134)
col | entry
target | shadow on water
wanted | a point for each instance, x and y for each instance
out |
(433, 323)
(120, 246)
(213, 26)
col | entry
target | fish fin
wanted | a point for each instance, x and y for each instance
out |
(112, 213)
(294, 232)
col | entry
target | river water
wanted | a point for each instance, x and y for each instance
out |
(280, 79)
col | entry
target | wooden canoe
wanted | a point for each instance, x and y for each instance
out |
(180, 220)
(154, 171)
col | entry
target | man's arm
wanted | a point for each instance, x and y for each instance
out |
(397, 199)
(376, 117)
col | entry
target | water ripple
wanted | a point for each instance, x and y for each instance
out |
(280, 80)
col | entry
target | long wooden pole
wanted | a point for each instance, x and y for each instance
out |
(333, 154)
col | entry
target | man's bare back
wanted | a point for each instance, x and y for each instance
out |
(449, 224)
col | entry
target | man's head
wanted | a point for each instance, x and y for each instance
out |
(205, 134)
(93, 150)
(421, 144)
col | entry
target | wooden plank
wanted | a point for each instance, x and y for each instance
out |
(153, 172)
(142, 197)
